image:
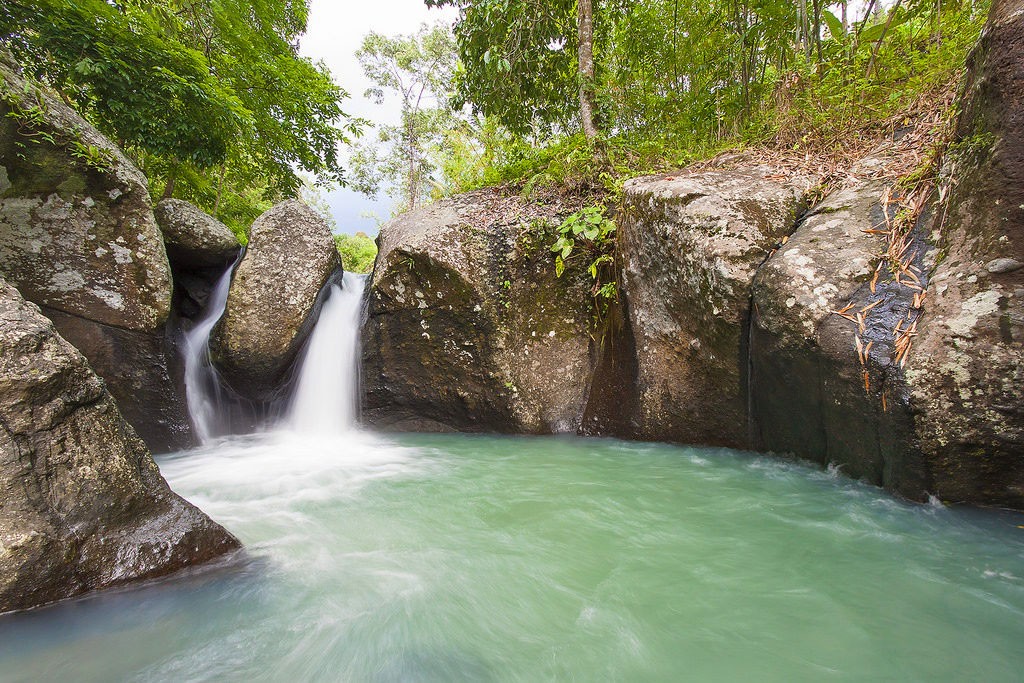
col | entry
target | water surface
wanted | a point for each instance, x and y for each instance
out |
(458, 558)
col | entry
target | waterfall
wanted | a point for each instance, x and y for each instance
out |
(326, 393)
(203, 389)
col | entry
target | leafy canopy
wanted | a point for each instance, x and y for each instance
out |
(418, 70)
(188, 86)
(679, 80)
(518, 60)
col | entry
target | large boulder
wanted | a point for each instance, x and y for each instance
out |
(273, 300)
(193, 238)
(77, 232)
(468, 328)
(82, 504)
(966, 367)
(690, 244)
(826, 383)
(78, 238)
(199, 248)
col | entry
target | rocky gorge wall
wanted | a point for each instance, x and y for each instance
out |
(752, 313)
(78, 238)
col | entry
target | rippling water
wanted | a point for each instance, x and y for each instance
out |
(457, 558)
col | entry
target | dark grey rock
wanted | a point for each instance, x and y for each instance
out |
(272, 303)
(967, 366)
(82, 504)
(690, 245)
(824, 387)
(467, 326)
(194, 239)
(143, 377)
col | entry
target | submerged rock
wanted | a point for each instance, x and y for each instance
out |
(78, 238)
(272, 304)
(467, 326)
(690, 245)
(82, 504)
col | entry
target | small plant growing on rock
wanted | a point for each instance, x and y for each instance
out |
(590, 233)
(588, 227)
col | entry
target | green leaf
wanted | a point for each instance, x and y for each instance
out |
(835, 26)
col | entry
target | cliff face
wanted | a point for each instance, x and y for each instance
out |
(690, 245)
(78, 238)
(967, 376)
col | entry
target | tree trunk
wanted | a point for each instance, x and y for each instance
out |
(586, 54)
(169, 187)
(220, 190)
(804, 30)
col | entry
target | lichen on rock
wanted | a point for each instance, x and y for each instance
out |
(272, 303)
(82, 504)
(465, 290)
(690, 245)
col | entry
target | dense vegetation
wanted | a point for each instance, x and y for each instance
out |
(213, 101)
(675, 81)
(211, 98)
(572, 97)
(357, 252)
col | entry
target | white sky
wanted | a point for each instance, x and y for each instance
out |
(335, 31)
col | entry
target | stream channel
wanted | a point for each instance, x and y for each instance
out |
(476, 558)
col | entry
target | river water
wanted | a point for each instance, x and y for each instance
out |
(464, 558)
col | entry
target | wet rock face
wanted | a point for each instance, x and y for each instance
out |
(199, 248)
(950, 422)
(273, 300)
(690, 245)
(82, 504)
(194, 239)
(79, 239)
(825, 385)
(967, 365)
(467, 327)
(77, 236)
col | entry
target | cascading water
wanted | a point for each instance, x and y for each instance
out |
(203, 390)
(325, 396)
(457, 557)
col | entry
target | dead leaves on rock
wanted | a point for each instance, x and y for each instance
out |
(904, 339)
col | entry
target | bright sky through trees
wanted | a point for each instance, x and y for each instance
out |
(335, 32)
